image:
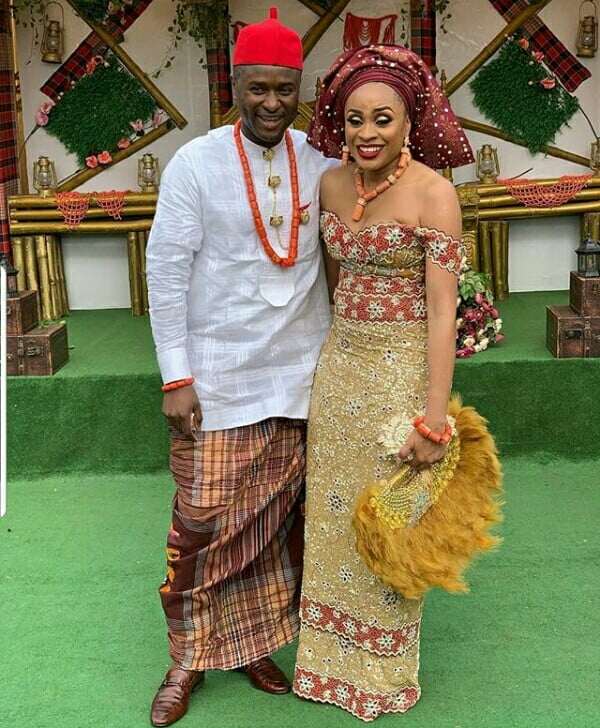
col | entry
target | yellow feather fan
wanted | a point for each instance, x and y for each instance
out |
(420, 530)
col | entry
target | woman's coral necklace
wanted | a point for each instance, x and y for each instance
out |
(258, 223)
(365, 197)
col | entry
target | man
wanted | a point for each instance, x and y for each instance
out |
(239, 313)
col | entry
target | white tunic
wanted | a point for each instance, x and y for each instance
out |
(221, 311)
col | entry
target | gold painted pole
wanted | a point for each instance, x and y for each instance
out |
(485, 250)
(506, 200)
(315, 7)
(590, 225)
(41, 252)
(317, 31)
(97, 212)
(133, 68)
(19, 262)
(147, 199)
(31, 269)
(474, 65)
(550, 151)
(102, 226)
(134, 275)
(61, 274)
(142, 240)
(77, 179)
(54, 292)
(505, 229)
(496, 240)
(512, 213)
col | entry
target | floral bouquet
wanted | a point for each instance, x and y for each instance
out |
(477, 321)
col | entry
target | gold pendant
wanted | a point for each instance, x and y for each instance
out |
(276, 220)
(268, 154)
(274, 181)
(305, 217)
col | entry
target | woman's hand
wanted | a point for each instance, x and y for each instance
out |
(419, 452)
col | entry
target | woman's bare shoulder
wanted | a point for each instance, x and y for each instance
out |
(332, 181)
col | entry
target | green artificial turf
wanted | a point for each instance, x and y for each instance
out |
(83, 639)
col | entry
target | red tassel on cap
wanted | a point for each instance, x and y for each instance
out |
(273, 13)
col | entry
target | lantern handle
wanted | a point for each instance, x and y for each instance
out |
(593, 4)
(62, 12)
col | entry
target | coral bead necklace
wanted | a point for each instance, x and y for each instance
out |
(365, 197)
(258, 223)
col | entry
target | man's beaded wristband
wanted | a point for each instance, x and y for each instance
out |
(429, 434)
(177, 384)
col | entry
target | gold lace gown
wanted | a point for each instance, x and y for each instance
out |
(359, 641)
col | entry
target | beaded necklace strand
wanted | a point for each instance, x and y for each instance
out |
(365, 197)
(258, 223)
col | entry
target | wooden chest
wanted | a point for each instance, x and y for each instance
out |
(585, 294)
(40, 351)
(570, 335)
(21, 313)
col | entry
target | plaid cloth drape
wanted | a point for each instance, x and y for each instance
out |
(558, 58)
(423, 30)
(217, 66)
(74, 67)
(9, 173)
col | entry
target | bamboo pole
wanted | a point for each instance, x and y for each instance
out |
(41, 254)
(315, 7)
(590, 225)
(550, 151)
(161, 100)
(77, 179)
(97, 212)
(473, 66)
(18, 260)
(101, 226)
(54, 292)
(317, 31)
(512, 213)
(134, 275)
(496, 241)
(31, 269)
(504, 262)
(61, 273)
(36, 202)
(142, 240)
(485, 250)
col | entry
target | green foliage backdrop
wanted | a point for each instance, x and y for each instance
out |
(96, 113)
(507, 91)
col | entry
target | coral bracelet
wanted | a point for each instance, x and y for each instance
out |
(429, 434)
(178, 384)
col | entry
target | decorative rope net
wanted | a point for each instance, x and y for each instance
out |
(73, 206)
(530, 193)
(112, 202)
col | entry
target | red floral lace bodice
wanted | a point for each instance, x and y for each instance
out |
(382, 268)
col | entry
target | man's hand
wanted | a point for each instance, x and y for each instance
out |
(182, 408)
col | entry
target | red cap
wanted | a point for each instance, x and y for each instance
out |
(268, 43)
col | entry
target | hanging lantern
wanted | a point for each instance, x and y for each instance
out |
(587, 32)
(148, 173)
(44, 176)
(12, 287)
(588, 258)
(52, 40)
(488, 168)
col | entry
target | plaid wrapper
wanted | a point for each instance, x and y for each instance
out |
(423, 31)
(558, 58)
(74, 67)
(9, 173)
(217, 66)
(234, 549)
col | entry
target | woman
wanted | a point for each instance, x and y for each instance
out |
(393, 261)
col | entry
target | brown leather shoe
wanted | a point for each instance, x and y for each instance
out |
(265, 675)
(171, 700)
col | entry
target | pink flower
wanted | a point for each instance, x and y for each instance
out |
(92, 161)
(156, 118)
(548, 83)
(524, 43)
(47, 106)
(499, 337)
(104, 157)
(123, 143)
(137, 125)
(538, 56)
(478, 298)
(41, 119)
(494, 313)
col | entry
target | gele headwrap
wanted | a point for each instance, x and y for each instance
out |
(268, 43)
(436, 137)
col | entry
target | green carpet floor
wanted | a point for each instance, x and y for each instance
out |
(101, 412)
(83, 642)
